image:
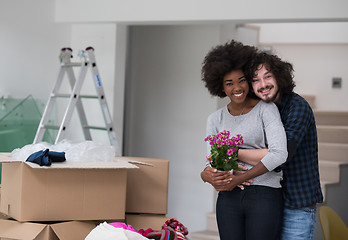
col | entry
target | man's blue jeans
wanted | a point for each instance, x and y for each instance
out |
(298, 224)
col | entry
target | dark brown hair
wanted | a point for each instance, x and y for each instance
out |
(282, 70)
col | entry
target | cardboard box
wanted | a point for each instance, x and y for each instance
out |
(75, 230)
(147, 187)
(145, 221)
(64, 191)
(2, 216)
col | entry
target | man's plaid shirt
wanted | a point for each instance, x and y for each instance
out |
(301, 184)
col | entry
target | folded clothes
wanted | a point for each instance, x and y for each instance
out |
(46, 157)
(167, 233)
(172, 229)
(177, 226)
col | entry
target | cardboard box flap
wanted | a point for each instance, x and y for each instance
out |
(10, 229)
(145, 183)
(73, 230)
(129, 160)
(85, 165)
(117, 164)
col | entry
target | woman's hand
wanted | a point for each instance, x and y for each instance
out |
(216, 178)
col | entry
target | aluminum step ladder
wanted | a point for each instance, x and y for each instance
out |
(66, 67)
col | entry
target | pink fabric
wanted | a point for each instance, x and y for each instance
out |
(122, 225)
(145, 232)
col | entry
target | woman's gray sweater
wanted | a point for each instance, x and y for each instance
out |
(260, 128)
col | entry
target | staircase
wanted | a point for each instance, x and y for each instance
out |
(332, 128)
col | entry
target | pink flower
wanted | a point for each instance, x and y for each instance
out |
(223, 149)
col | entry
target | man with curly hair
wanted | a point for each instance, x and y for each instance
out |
(272, 81)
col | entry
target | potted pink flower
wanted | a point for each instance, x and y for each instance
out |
(223, 153)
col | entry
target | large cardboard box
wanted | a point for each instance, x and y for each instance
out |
(2, 216)
(145, 221)
(64, 191)
(75, 230)
(147, 186)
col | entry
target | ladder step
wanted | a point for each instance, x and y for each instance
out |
(89, 127)
(51, 127)
(71, 64)
(64, 95)
(96, 128)
(89, 96)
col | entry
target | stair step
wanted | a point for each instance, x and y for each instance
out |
(332, 134)
(211, 222)
(324, 185)
(205, 235)
(338, 118)
(329, 170)
(333, 151)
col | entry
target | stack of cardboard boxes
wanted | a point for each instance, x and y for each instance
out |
(67, 200)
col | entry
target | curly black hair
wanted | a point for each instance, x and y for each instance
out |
(221, 60)
(282, 70)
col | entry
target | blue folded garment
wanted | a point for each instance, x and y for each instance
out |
(46, 157)
(56, 156)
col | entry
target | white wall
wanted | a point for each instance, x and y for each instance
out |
(318, 52)
(315, 66)
(167, 107)
(180, 11)
(30, 43)
(104, 39)
(309, 33)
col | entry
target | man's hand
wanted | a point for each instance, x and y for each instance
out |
(236, 180)
(237, 173)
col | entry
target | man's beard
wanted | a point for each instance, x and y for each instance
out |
(269, 98)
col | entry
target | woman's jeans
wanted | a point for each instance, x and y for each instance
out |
(299, 224)
(254, 213)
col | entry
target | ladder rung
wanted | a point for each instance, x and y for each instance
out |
(88, 96)
(60, 95)
(51, 127)
(77, 64)
(96, 128)
(64, 95)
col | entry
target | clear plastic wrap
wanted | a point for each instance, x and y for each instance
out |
(86, 151)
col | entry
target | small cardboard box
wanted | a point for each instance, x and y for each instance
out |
(145, 221)
(147, 186)
(64, 191)
(75, 230)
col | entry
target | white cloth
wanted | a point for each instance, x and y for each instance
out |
(105, 231)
